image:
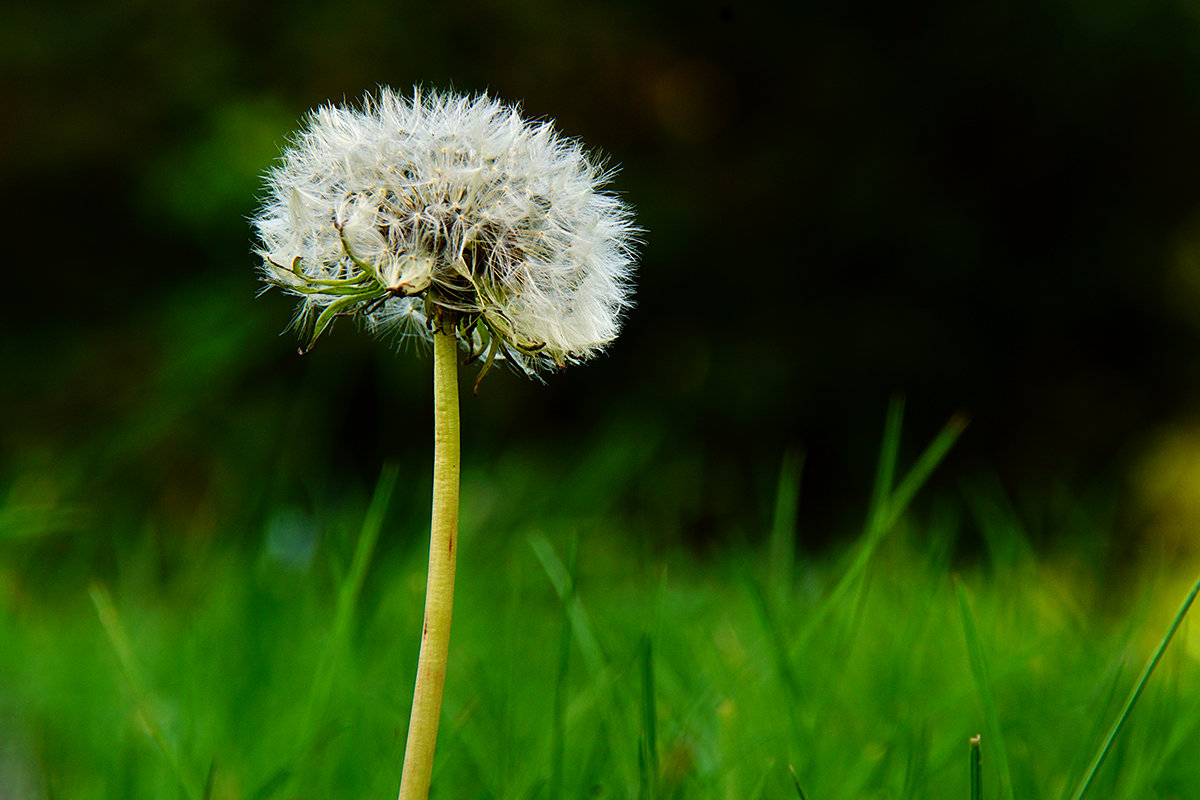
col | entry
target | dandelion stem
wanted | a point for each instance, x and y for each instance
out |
(439, 588)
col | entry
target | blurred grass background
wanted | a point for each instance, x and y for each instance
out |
(989, 208)
(584, 668)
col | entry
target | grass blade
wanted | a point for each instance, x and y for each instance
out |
(564, 586)
(796, 782)
(898, 502)
(779, 648)
(558, 735)
(893, 504)
(348, 593)
(649, 758)
(885, 470)
(1102, 753)
(782, 558)
(889, 506)
(976, 770)
(343, 621)
(618, 727)
(111, 621)
(351, 587)
(983, 684)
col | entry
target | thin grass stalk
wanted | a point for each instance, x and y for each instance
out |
(439, 587)
(782, 559)
(618, 727)
(983, 684)
(796, 782)
(334, 654)
(558, 733)
(111, 620)
(649, 759)
(976, 770)
(885, 470)
(1102, 753)
(887, 507)
(779, 648)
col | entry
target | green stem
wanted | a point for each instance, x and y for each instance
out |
(439, 589)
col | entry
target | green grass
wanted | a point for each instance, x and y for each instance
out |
(587, 665)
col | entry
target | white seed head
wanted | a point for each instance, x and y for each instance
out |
(412, 212)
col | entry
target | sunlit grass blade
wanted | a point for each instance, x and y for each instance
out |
(983, 685)
(1102, 753)
(885, 469)
(111, 621)
(887, 507)
(976, 770)
(926, 463)
(1186, 722)
(782, 556)
(892, 504)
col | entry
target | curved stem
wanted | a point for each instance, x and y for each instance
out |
(439, 588)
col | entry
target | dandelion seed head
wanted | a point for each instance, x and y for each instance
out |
(410, 211)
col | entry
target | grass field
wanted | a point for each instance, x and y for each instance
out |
(589, 663)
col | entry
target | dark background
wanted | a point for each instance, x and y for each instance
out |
(986, 207)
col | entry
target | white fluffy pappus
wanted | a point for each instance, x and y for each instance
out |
(449, 211)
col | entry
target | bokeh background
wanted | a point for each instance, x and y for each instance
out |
(990, 208)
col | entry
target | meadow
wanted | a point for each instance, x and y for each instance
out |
(589, 659)
(681, 573)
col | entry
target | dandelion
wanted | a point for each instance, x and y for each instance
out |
(449, 212)
(455, 220)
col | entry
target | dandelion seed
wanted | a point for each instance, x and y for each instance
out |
(441, 210)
